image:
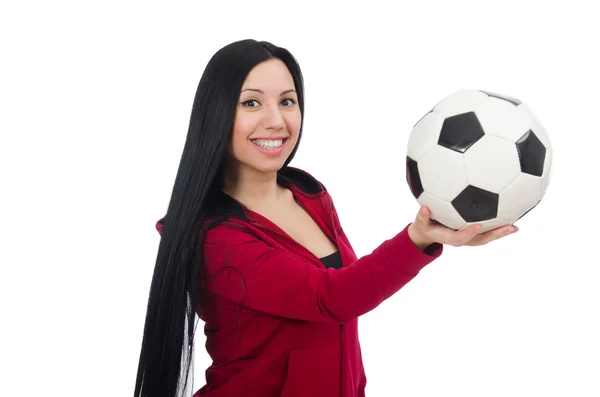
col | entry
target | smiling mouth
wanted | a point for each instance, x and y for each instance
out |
(269, 143)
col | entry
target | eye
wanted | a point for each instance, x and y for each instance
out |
(288, 102)
(251, 103)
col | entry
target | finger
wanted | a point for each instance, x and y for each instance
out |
(494, 234)
(466, 235)
(453, 237)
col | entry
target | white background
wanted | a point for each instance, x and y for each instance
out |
(95, 102)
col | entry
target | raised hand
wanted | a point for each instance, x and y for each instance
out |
(424, 231)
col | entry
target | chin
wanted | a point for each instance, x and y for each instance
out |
(273, 167)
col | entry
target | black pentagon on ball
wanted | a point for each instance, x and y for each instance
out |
(514, 101)
(476, 205)
(460, 132)
(532, 154)
(413, 178)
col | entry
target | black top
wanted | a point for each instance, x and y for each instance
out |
(334, 260)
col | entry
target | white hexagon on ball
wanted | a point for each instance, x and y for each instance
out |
(492, 163)
(442, 173)
(502, 119)
(520, 196)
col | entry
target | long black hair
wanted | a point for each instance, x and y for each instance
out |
(167, 346)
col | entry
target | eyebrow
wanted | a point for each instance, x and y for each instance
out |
(260, 91)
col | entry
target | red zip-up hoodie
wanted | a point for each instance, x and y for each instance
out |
(278, 320)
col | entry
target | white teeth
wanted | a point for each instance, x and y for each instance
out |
(268, 143)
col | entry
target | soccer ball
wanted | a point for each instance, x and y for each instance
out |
(478, 157)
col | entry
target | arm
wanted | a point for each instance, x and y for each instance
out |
(248, 271)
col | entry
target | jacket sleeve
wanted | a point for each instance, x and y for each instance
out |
(246, 270)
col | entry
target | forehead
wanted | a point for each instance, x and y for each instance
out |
(271, 75)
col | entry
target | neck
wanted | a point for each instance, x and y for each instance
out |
(250, 186)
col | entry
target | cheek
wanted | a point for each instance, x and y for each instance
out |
(242, 129)
(293, 122)
(236, 143)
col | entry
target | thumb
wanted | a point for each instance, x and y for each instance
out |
(424, 214)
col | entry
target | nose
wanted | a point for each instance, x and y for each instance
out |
(273, 118)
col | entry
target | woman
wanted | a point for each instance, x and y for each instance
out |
(256, 249)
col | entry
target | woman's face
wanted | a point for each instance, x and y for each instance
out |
(267, 121)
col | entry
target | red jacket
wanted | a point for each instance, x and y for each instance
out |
(277, 321)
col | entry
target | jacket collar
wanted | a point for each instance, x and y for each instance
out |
(304, 182)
